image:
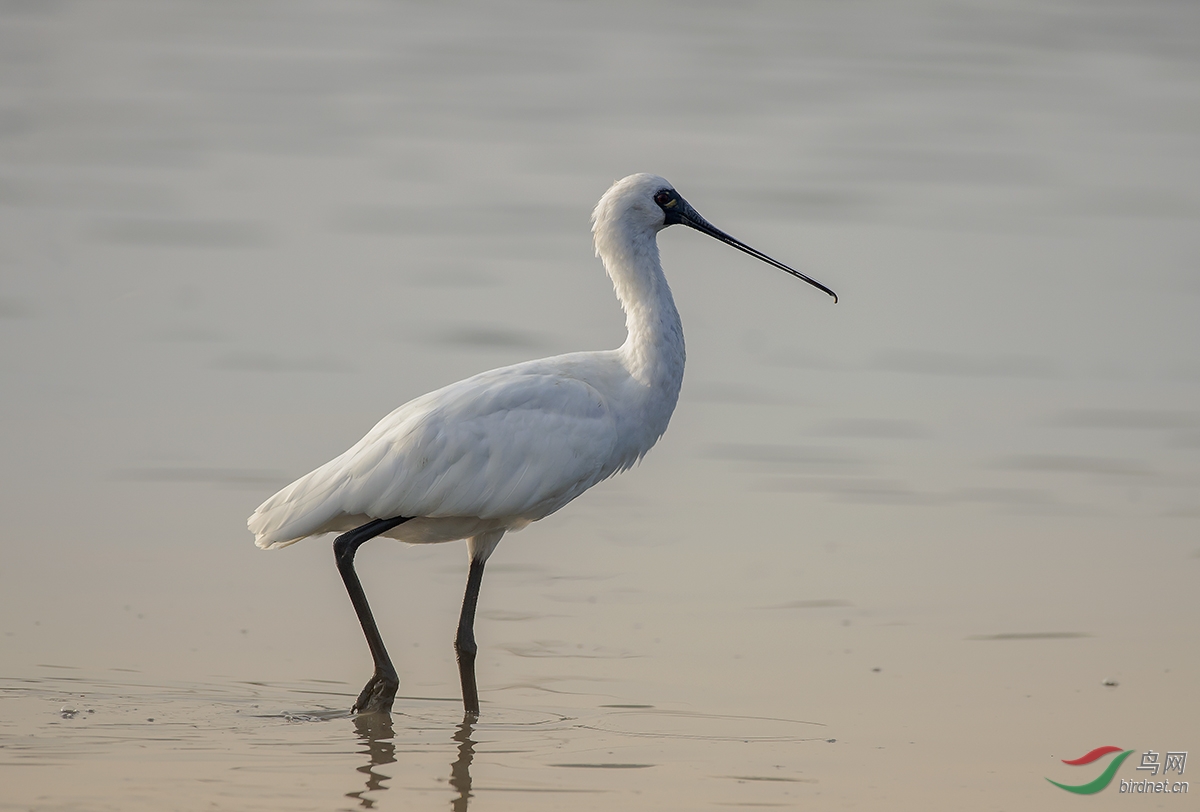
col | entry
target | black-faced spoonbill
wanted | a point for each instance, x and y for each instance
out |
(504, 448)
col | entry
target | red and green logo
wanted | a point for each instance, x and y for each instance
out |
(1101, 781)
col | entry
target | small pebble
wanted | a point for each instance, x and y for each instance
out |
(68, 713)
(1110, 683)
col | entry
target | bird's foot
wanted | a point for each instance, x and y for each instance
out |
(378, 695)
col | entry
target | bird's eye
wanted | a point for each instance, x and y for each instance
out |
(663, 197)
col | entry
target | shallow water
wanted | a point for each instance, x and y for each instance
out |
(908, 551)
(134, 744)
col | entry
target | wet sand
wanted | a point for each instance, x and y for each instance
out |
(910, 551)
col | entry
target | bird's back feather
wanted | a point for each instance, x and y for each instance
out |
(512, 445)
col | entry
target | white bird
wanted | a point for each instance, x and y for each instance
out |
(504, 448)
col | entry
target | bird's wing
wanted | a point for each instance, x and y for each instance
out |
(512, 443)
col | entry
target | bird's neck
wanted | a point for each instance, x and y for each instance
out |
(653, 353)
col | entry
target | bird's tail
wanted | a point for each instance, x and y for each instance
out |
(300, 510)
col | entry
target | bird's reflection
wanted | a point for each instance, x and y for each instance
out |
(460, 769)
(377, 733)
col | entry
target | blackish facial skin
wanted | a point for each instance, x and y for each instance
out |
(677, 211)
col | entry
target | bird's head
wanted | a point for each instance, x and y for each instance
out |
(643, 205)
(631, 204)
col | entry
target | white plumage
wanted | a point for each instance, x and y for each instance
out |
(498, 450)
(507, 447)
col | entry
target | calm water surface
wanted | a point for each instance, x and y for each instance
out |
(889, 553)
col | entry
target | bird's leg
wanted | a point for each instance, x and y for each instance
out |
(464, 642)
(380, 690)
